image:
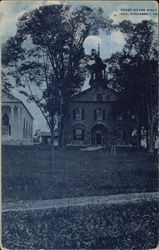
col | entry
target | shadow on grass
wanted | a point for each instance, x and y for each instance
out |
(27, 173)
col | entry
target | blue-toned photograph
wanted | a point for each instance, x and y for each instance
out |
(79, 125)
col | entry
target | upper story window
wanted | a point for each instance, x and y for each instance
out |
(78, 114)
(99, 114)
(99, 97)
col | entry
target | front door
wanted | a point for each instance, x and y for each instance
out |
(98, 139)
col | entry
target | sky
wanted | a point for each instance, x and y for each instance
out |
(11, 11)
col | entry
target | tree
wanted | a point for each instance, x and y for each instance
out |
(135, 75)
(50, 69)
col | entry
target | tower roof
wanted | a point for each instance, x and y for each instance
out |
(98, 61)
(97, 70)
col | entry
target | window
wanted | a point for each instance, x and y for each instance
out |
(120, 133)
(6, 128)
(99, 114)
(78, 114)
(5, 120)
(78, 134)
(99, 97)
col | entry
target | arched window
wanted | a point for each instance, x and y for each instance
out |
(120, 133)
(6, 128)
(5, 120)
(78, 134)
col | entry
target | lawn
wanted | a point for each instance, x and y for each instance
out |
(130, 226)
(27, 173)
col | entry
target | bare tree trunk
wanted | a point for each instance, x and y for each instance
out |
(61, 135)
(151, 141)
(152, 136)
(139, 137)
(152, 117)
(138, 130)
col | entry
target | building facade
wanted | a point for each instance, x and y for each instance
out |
(93, 118)
(17, 122)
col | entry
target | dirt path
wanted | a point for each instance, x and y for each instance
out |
(82, 201)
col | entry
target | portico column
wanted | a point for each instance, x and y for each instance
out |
(19, 122)
(12, 122)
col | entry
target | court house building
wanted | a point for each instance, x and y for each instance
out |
(94, 119)
(17, 122)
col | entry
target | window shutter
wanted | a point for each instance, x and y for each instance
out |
(95, 114)
(82, 114)
(74, 114)
(103, 114)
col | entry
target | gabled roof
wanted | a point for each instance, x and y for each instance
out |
(89, 89)
(13, 99)
(81, 93)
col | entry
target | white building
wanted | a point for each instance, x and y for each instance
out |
(17, 122)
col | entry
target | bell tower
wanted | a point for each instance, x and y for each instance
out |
(97, 71)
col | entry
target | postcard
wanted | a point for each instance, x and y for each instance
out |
(79, 124)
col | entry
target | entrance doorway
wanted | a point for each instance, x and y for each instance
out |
(98, 139)
(99, 135)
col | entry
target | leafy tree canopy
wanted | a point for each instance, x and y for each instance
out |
(46, 56)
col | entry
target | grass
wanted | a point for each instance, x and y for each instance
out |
(27, 173)
(131, 226)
